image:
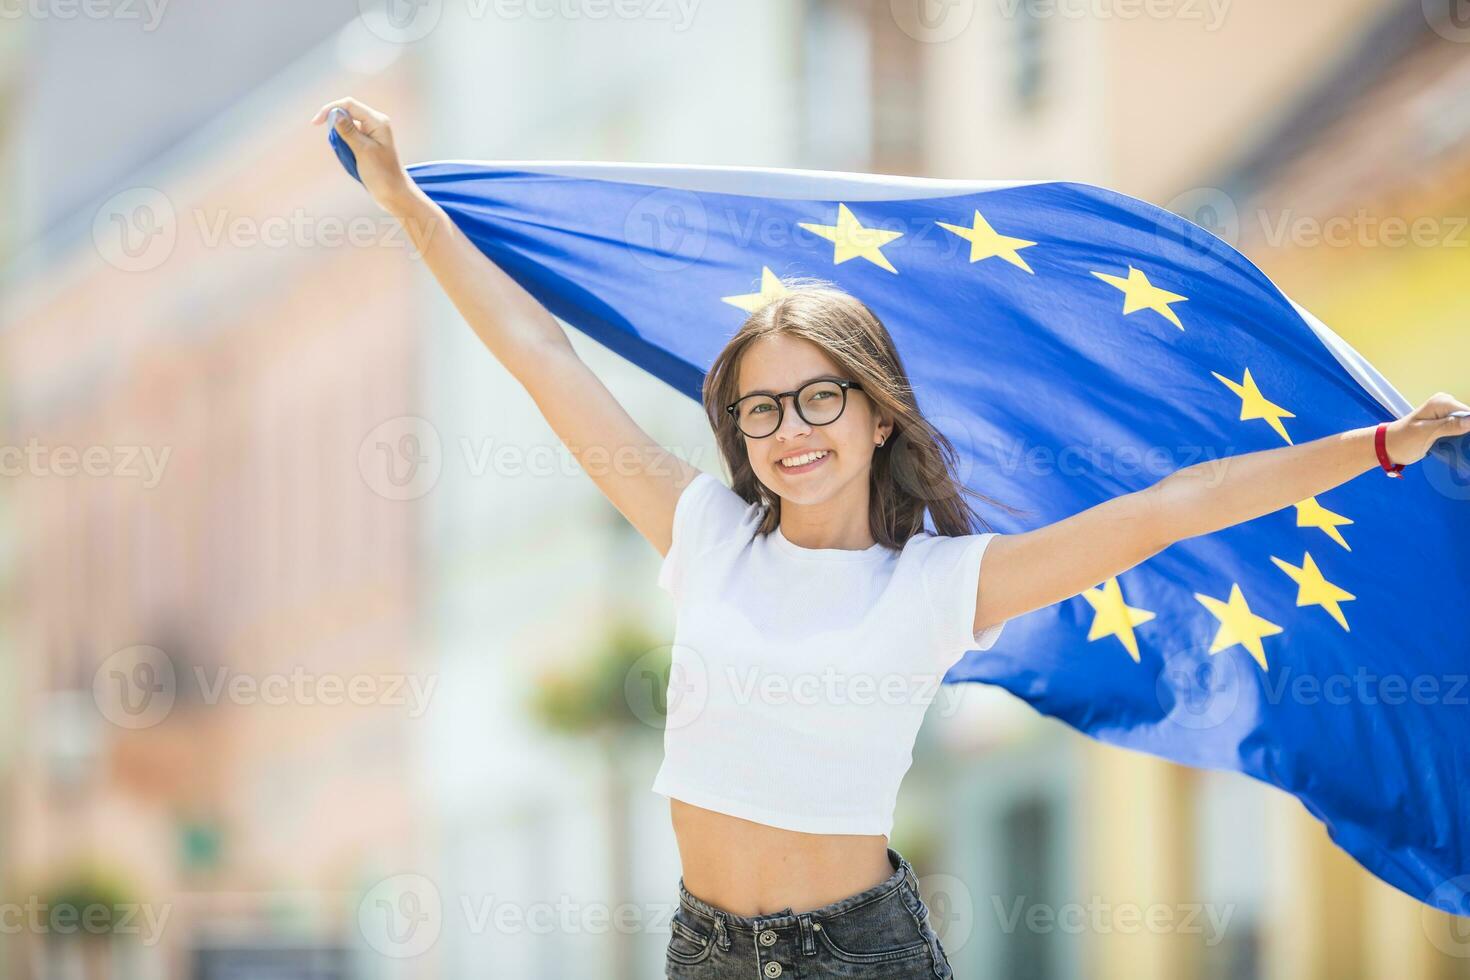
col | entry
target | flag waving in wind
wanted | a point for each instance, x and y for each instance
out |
(1076, 344)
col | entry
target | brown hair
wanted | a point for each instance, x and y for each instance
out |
(914, 468)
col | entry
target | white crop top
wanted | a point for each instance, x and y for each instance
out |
(800, 676)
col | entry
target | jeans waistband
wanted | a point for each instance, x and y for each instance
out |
(902, 872)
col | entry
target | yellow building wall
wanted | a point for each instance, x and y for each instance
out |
(1407, 312)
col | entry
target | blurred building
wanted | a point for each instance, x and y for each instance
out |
(1358, 199)
(168, 68)
(190, 383)
(10, 729)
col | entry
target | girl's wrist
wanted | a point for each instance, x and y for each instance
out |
(1388, 454)
(403, 201)
(1405, 441)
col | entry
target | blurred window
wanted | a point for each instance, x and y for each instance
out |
(1030, 56)
(1230, 823)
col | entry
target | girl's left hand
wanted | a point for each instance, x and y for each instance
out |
(1410, 438)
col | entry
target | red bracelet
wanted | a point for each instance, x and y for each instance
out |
(1380, 442)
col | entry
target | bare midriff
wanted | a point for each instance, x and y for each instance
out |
(753, 869)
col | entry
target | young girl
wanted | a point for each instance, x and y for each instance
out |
(815, 613)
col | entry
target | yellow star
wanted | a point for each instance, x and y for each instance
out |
(1253, 404)
(987, 243)
(1309, 513)
(1114, 616)
(1315, 590)
(1140, 294)
(1238, 624)
(853, 240)
(771, 288)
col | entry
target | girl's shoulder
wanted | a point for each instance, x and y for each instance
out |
(947, 568)
(707, 513)
(713, 512)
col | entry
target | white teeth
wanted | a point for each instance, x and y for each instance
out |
(803, 459)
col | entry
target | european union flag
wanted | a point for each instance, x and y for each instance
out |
(1076, 344)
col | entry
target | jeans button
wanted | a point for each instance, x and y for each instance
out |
(768, 938)
(773, 969)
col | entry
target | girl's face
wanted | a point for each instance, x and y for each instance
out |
(780, 363)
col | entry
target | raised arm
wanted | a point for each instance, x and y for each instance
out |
(1028, 571)
(641, 478)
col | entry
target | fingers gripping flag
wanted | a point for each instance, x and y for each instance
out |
(1076, 344)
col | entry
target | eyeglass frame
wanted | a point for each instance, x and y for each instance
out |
(780, 399)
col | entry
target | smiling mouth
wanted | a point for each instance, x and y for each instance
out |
(808, 461)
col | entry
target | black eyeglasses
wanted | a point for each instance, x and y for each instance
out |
(818, 402)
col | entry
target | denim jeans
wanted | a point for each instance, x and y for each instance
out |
(881, 933)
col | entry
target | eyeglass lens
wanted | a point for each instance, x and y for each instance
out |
(819, 403)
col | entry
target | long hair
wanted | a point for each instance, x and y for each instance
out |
(914, 468)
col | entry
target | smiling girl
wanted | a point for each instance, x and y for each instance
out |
(815, 613)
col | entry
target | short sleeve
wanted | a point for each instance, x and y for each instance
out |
(951, 577)
(707, 513)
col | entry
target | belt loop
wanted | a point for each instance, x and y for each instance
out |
(808, 937)
(721, 936)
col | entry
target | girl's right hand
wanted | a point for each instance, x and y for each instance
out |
(367, 132)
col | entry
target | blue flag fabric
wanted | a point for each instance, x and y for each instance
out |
(1076, 344)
